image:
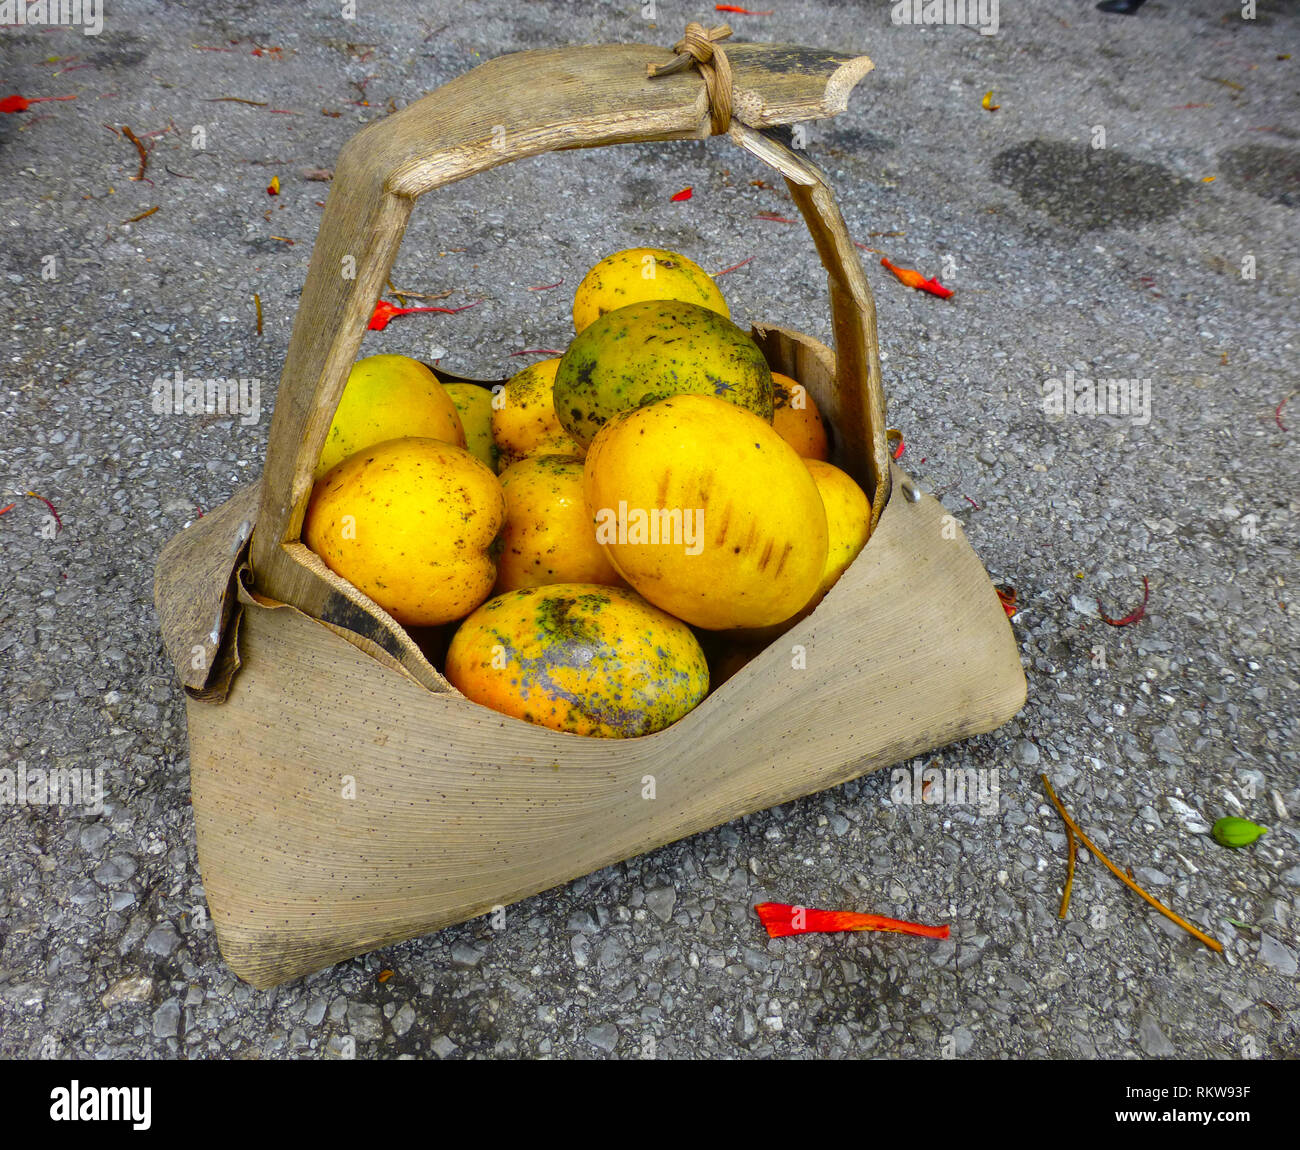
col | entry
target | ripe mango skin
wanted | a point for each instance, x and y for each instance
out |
(637, 274)
(387, 397)
(762, 549)
(848, 520)
(548, 537)
(523, 417)
(651, 350)
(410, 522)
(797, 419)
(474, 406)
(848, 525)
(579, 657)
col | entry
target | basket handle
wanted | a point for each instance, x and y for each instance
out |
(515, 106)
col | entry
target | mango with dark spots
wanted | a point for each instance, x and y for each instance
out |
(523, 417)
(579, 657)
(706, 511)
(548, 536)
(638, 274)
(410, 522)
(648, 351)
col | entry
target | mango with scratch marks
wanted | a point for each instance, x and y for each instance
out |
(707, 512)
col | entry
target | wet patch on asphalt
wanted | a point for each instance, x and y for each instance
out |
(1085, 188)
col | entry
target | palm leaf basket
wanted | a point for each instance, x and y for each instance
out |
(345, 795)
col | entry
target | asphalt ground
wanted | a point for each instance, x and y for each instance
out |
(1167, 256)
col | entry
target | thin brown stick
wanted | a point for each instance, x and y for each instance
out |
(139, 147)
(415, 294)
(143, 215)
(1069, 871)
(1119, 874)
(257, 303)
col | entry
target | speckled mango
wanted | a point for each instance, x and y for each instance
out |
(548, 536)
(638, 274)
(649, 351)
(410, 522)
(581, 658)
(474, 406)
(706, 511)
(523, 417)
(386, 397)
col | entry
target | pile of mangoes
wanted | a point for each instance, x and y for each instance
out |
(567, 546)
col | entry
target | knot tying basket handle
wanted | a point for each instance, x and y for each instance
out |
(698, 47)
(521, 105)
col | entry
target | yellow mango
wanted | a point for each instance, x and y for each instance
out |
(548, 536)
(707, 512)
(848, 520)
(410, 522)
(639, 274)
(523, 417)
(797, 419)
(387, 397)
(474, 406)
